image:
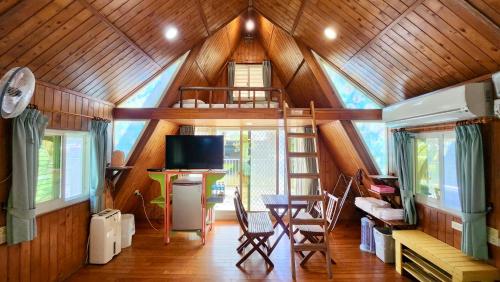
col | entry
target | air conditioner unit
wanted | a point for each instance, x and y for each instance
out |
(105, 236)
(463, 102)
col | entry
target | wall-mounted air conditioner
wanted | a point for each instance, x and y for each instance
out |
(463, 102)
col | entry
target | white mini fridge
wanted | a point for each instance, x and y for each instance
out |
(186, 204)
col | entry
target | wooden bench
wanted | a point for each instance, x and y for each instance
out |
(429, 259)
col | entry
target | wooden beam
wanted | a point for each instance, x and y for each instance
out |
(322, 114)
(294, 74)
(120, 33)
(299, 15)
(203, 17)
(388, 27)
(319, 74)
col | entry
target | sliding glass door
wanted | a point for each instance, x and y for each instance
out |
(260, 162)
(253, 162)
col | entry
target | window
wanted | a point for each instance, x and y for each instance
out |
(435, 170)
(63, 169)
(248, 75)
(126, 133)
(373, 134)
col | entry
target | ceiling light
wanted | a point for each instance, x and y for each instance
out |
(330, 33)
(171, 33)
(250, 25)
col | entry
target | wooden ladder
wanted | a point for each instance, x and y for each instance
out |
(289, 116)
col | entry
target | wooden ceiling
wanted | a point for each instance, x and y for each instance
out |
(394, 49)
(104, 48)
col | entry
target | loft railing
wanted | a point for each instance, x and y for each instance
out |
(241, 95)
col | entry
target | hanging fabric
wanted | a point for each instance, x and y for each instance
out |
(267, 76)
(471, 184)
(405, 165)
(186, 130)
(230, 80)
(99, 137)
(311, 166)
(27, 135)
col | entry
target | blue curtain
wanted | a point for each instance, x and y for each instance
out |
(27, 135)
(230, 81)
(470, 175)
(99, 137)
(405, 165)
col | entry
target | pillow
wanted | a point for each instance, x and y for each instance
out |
(191, 101)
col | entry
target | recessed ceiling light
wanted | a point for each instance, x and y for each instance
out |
(330, 33)
(249, 25)
(171, 33)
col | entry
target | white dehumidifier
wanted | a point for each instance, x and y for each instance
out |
(105, 236)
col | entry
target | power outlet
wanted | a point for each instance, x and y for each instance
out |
(3, 234)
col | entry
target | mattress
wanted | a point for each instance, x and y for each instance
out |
(388, 213)
(378, 208)
(272, 105)
(369, 203)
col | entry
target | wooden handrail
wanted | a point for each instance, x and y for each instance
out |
(273, 92)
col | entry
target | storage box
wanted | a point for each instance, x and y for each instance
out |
(367, 240)
(128, 229)
(384, 244)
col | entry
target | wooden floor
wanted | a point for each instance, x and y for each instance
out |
(184, 259)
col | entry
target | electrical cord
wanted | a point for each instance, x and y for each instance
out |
(145, 213)
(6, 178)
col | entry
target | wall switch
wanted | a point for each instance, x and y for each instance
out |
(492, 233)
(3, 234)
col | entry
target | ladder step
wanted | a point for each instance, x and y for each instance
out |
(304, 175)
(306, 197)
(302, 154)
(301, 135)
(309, 247)
(308, 221)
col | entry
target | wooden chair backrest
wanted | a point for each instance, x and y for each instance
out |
(237, 196)
(239, 215)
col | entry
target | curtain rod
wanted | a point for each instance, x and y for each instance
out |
(32, 106)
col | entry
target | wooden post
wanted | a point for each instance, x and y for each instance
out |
(399, 256)
(253, 99)
(239, 98)
(210, 99)
(196, 99)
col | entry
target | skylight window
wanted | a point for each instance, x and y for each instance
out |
(126, 133)
(374, 134)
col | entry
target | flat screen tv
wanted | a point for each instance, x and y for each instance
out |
(194, 152)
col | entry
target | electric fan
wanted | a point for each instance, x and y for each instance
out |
(16, 89)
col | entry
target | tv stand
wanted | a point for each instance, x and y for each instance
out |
(164, 177)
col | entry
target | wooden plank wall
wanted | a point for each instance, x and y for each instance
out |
(57, 252)
(52, 100)
(59, 249)
(437, 223)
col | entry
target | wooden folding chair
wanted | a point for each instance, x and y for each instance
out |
(314, 233)
(257, 231)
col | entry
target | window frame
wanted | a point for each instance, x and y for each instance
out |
(246, 96)
(435, 203)
(61, 201)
